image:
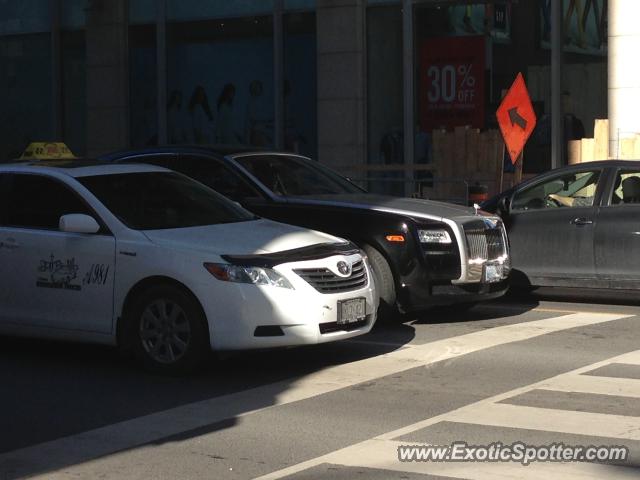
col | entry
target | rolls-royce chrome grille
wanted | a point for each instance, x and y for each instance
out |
(485, 243)
(325, 281)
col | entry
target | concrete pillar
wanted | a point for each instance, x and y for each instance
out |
(107, 76)
(624, 72)
(341, 37)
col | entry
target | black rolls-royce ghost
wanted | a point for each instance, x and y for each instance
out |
(575, 226)
(423, 253)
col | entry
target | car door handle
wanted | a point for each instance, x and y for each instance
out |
(581, 221)
(9, 243)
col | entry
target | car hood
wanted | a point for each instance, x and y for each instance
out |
(407, 206)
(242, 238)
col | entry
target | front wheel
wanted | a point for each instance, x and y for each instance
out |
(385, 284)
(166, 330)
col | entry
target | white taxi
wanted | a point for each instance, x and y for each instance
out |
(159, 264)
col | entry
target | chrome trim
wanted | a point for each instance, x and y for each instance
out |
(473, 268)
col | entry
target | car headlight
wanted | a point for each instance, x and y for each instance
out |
(255, 275)
(434, 236)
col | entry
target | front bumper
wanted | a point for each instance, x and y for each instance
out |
(460, 273)
(257, 317)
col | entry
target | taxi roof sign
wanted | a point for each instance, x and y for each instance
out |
(47, 151)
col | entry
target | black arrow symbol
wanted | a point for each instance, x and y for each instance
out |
(516, 119)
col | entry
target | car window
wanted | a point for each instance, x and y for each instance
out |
(213, 173)
(626, 189)
(37, 201)
(295, 176)
(158, 160)
(161, 200)
(561, 191)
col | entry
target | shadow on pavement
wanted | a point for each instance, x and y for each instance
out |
(484, 311)
(55, 389)
(577, 295)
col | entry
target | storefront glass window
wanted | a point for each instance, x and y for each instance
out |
(299, 4)
(142, 11)
(143, 86)
(220, 80)
(73, 75)
(187, 10)
(25, 92)
(73, 13)
(385, 97)
(300, 93)
(24, 16)
(74, 91)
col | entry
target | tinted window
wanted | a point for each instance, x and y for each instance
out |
(159, 160)
(158, 200)
(294, 176)
(626, 189)
(36, 201)
(213, 173)
(564, 190)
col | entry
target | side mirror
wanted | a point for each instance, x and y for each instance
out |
(503, 206)
(78, 223)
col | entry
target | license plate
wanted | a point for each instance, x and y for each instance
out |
(493, 273)
(352, 310)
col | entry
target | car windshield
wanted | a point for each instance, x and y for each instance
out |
(295, 176)
(162, 200)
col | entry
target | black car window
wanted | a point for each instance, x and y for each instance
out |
(214, 174)
(162, 200)
(4, 195)
(626, 189)
(37, 201)
(158, 160)
(567, 189)
(294, 176)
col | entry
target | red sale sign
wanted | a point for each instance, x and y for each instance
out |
(452, 82)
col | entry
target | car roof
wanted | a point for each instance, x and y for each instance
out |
(216, 150)
(79, 167)
(604, 163)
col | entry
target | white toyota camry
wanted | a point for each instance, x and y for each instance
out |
(161, 265)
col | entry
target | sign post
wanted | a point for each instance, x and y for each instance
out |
(517, 120)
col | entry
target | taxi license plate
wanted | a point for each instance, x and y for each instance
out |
(493, 273)
(351, 311)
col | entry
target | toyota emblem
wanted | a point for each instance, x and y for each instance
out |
(344, 269)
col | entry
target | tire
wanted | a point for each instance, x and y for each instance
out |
(385, 284)
(166, 330)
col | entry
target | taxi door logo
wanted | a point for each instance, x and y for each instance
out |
(54, 273)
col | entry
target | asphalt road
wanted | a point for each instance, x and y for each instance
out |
(554, 367)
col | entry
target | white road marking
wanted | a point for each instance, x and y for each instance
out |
(549, 420)
(622, 387)
(490, 412)
(382, 454)
(76, 449)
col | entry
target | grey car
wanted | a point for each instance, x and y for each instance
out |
(576, 226)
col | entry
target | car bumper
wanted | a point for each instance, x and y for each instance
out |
(417, 297)
(257, 317)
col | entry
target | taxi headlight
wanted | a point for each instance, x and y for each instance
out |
(254, 275)
(434, 236)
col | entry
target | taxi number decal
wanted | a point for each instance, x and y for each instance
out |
(97, 274)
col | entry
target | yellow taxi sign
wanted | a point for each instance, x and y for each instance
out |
(47, 151)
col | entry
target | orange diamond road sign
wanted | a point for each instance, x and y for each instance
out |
(516, 118)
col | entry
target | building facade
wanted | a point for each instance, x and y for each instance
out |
(357, 84)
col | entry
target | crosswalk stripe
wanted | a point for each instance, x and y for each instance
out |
(621, 387)
(82, 447)
(549, 420)
(382, 454)
(489, 412)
